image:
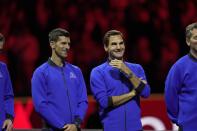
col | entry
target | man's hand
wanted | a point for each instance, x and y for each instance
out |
(120, 65)
(144, 81)
(70, 127)
(7, 125)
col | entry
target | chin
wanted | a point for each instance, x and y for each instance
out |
(63, 57)
(119, 58)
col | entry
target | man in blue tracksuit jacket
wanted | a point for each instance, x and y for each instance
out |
(58, 88)
(6, 95)
(181, 86)
(117, 86)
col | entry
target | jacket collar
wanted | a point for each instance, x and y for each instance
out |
(50, 62)
(192, 57)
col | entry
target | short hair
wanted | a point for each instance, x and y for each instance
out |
(110, 33)
(55, 33)
(189, 28)
(2, 38)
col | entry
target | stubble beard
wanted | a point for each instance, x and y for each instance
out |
(61, 57)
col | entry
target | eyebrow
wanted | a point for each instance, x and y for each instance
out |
(118, 42)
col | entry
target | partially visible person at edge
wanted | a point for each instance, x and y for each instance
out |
(117, 86)
(181, 86)
(58, 88)
(6, 95)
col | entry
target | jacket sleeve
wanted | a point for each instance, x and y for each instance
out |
(9, 96)
(82, 100)
(146, 91)
(172, 87)
(98, 88)
(39, 96)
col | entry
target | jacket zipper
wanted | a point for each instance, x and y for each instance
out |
(125, 117)
(125, 120)
(67, 92)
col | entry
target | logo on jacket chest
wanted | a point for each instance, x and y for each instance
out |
(72, 75)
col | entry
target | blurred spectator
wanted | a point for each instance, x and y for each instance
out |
(146, 24)
(23, 52)
(169, 54)
(142, 51)
(153, 29)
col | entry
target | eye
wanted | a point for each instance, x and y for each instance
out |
(121, 43)
(65, 43)
(113, 43)
(195, 37)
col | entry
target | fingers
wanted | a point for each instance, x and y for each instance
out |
(120, 65)
(65, 127)
(4, 125)
(9, 127)
(116, 63)
(70, 127)
(144, 81)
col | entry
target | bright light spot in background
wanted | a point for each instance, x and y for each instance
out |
(153, 122)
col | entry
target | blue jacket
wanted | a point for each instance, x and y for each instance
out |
(181, 93)
(6, 95)
(107, 81)
(59, 94)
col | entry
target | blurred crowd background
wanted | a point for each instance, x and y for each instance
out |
(153, 30)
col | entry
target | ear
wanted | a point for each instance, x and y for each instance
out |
(105, 47)
(52, 44)
(1, 43)
(188, 41)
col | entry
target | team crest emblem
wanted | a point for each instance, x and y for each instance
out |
(72, 75)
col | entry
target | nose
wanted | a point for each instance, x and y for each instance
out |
(67, 46)
(118, 46)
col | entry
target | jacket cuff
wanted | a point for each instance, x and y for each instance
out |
(110, 103)
(140, 88)
(77, 122)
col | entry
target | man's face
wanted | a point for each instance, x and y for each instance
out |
(192, 42)
(116, 47)
(61, 46)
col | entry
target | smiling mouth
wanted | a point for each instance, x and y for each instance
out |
(118, 51)
(64, 50)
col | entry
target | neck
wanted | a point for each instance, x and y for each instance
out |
(57, 60)
(193, 53)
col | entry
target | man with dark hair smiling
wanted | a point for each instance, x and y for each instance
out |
(117, 86)
(58, 88)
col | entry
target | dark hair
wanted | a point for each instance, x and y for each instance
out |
(2, 38)
(55, 33)
(110, 33)
(189, 28)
